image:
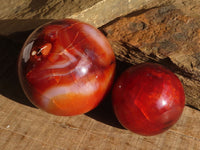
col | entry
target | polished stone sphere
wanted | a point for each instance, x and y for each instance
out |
(66, 67)
(148, 99)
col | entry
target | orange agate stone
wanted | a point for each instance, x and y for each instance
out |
(66, 67)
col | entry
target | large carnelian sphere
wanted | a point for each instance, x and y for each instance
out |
(148, 99)
(66, 67)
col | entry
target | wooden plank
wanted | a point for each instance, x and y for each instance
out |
(25, 127)
(27, 14)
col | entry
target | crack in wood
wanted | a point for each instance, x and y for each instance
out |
(185, 135)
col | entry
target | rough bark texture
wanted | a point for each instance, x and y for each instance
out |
(19, 16)
(164, 35)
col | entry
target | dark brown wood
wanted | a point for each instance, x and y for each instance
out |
(163, 35)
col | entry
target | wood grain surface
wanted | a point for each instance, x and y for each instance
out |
(28, 14)
(27, 128)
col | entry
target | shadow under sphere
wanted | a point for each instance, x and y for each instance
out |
(10, 47)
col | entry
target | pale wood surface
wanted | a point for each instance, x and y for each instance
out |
(24, 127)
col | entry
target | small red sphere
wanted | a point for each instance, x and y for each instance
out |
(66, 67)
(148, 99)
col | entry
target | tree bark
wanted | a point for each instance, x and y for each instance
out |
(164, 35)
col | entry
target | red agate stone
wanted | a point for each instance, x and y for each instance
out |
(148, 99)
(66, 67)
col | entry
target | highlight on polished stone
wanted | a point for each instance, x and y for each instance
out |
(66, 67)
(148, 99)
